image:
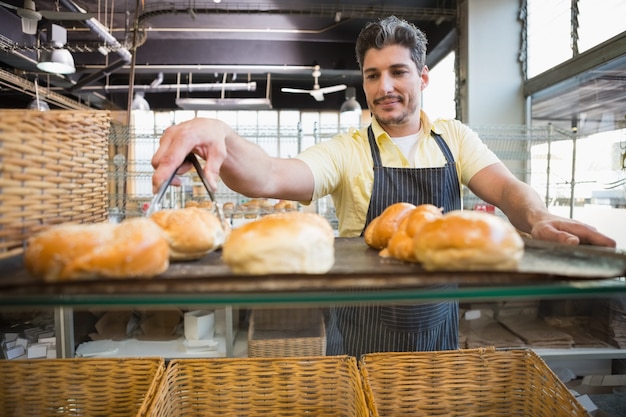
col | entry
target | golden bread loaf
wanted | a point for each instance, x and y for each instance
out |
(191, 232)
(134, 248)
(207, 204)
(400, 245)
(292, 242)
(468, 240)
(285, 205)
(380, 229)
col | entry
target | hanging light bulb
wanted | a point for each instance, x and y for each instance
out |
(58, 60)
(350, 104)
(30, 17)
(37, 103)
(350, 110)
(139, 102)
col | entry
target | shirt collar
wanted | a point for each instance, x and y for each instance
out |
(427, 124)
(381, 135)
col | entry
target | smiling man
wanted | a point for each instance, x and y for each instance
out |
(402, 156)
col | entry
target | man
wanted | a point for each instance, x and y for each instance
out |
(401, 156)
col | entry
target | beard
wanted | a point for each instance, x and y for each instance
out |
(394, 119)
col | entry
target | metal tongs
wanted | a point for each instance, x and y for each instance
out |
(155, 204)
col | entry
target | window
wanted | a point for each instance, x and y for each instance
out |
(553, 27)
(549, 34)
(438, 98)
(599, 21)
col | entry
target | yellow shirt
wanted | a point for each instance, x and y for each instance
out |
(343, 165)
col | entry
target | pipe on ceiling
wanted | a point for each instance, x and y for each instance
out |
(161, 88)
(340, 12)
(99, 29)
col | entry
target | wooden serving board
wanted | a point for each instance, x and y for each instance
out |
(356, 266)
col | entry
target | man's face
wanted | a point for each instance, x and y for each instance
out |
(393, 86)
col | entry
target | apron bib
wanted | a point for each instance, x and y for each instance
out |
(356, 330)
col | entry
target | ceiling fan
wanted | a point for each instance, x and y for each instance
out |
(317, 92)
(29, 13)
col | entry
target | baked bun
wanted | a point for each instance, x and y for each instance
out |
(134, 248)
(285, 205)
(400, 245)
(380, 229)
(191, 232)
(468, 240)
(228, 208)
(292, 242)
(207, 204)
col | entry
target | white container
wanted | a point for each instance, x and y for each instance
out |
(199, 324)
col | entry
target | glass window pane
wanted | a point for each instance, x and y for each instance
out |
(228, 116)
(267, 118)
(247, 117)
(438, 97)
(289, 117)
(163, 120)
(549, 39)
(599, 21)
(183, 115)
(211, 114)
(310, 125)
(329, 125)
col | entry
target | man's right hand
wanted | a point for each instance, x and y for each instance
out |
(204, 137)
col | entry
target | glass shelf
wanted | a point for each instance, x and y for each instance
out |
(561, 290)
(547, 271)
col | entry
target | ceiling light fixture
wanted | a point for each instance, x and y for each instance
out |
(30, 17)
(224, 103)
(139, 102)
(37, 103)
(350, 110)
(350, 104)
(57, 60)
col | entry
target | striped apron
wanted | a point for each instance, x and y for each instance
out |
(356, 330)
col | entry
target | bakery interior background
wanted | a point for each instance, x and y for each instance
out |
(277, 44)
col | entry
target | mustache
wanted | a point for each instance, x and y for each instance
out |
(388, 97)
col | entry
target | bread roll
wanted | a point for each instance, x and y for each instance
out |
(207, 204)
(228, 208)
(134, 248)
(380, 229)
(285, 205)
(191, 232)
(400, 244)
(468, 240)
(293, 242)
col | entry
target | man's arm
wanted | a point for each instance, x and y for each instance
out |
(496, 185)
(243, 166)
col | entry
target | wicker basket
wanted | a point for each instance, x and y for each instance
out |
(53, 169)
(79, 387)
(286, 333)
(470, 383)
(307, 386)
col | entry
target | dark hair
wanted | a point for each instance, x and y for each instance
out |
(392, 31)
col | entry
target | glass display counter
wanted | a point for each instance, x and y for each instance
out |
(360, 275)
